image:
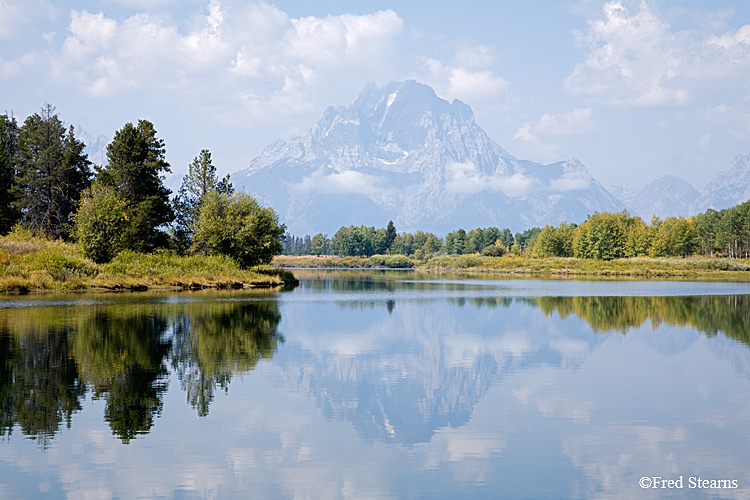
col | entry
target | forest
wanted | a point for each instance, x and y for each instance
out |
(602, 236)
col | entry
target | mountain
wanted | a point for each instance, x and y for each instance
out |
(624, 193)
(669, 196)
(400, 152)
(727, 189)
(96, 147)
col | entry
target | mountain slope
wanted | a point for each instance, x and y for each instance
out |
(402, 153)
(669, 196)
(726, 189)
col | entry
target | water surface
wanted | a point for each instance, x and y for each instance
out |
(390, 385)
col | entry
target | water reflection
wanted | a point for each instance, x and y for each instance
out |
(448, 389)
(51, 358)
(400, 377)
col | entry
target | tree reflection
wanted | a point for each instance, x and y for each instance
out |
(39, 383)
(51, 356)
(216, 341)
(709, 314)
(122, 354)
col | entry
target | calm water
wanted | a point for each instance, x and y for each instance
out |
(379, 385)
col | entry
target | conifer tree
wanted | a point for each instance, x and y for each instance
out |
(53, 171)
(137, 160)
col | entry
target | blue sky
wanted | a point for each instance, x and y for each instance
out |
(634, 89)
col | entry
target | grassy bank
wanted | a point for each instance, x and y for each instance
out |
(333, 261)
(644, 267)
(634, 267)
(31, 264)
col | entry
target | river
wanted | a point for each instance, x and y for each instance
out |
(379, 385)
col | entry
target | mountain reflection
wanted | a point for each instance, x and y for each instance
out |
(418, 366)
(397, 369)
(52, 357)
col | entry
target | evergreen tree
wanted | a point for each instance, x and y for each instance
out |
(53, 170)
(9, 210)
(137, 159)
(199, 181)
(390, 235)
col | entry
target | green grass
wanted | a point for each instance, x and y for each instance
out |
(638, 267)
(30, 263)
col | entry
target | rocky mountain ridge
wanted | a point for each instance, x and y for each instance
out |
(402, 153)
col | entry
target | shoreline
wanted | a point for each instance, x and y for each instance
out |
(721, 269)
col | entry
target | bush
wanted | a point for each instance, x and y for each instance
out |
(237, 226)
(101, 223)
(494, 251)
(390, 261)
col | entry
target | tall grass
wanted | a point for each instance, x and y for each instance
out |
(30, 263)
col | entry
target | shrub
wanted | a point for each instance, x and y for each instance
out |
(494, 250)
(391, 261)
(101, 222)
(237, 226)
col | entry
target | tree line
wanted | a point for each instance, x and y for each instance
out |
(48, 185)
(602, 236)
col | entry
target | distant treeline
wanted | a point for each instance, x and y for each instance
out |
(603, 236)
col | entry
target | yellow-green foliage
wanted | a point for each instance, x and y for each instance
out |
(32, 263)
(637, 266)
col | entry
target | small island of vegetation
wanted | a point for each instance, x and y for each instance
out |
(66, 227)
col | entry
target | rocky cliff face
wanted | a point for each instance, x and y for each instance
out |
(727, 189)
(402, 153)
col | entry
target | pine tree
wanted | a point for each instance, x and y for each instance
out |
(199, 181)
(137, 159)
(9, 211)
(53, 172)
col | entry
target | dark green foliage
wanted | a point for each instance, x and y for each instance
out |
(497, 250)
(10, 213)
(137, 160)
(52, 170)
(526, 239)
(239, 227)
(320, 244)
(390, 235)
(391, 261)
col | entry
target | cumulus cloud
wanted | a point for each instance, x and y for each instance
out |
(466, 178)
(578, 121)
(19, 15)
(243, 61)
(465, 82)
(638, 59)
(348, 181)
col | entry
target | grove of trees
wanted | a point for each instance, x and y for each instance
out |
(48, 186)
(603, 236)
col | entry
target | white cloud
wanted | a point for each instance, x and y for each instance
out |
(246, 61)
(349, 181)
(17, 16)
(637, 59)
(465, 178)
(737, 117)
(571, 181)
(576, 122)
(470, 85)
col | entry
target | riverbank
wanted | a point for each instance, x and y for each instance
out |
(36, 264)
(637, 267)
